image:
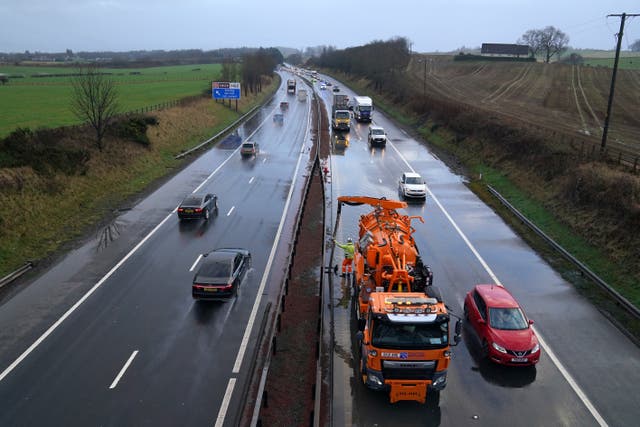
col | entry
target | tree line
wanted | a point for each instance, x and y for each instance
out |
(380, 61)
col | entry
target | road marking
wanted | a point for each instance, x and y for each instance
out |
(251, 180)
(225, 403)
(263, 282)
(231, 210)
(256, 304)
(231, 155)
(567, 376)
(264, 160)
(380, 180)
(196, 262)
(80, 301)
(68, 313)
(123, 370)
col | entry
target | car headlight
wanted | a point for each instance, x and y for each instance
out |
(374, 379)
(440, 380)
(535, 348)
(373, 353)
(498, 347)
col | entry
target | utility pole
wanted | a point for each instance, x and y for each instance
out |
(424, 78)
(613, 80)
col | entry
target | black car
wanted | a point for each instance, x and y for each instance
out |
(197, 206)
(220, 274)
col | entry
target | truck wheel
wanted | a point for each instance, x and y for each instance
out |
(433, 398)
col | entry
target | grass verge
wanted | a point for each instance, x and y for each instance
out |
(57, 209)
(620, 277)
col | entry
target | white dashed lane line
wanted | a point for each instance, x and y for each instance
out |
(231, 210)
(196, 262)
(123, 370)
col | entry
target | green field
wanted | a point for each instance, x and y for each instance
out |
(624, 63)
(44, 101)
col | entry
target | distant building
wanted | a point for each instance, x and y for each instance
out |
(504, 49)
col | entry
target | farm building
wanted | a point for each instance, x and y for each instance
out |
(505, 49)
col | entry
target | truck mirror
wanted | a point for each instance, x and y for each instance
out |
(361, 324)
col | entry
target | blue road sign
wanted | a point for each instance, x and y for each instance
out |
(225, 90)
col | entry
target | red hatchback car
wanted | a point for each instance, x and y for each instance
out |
(506, 334)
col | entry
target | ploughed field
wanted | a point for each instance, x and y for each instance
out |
(567, 100)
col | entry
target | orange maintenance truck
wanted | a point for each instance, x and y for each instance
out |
(386, 255)
(403, 324)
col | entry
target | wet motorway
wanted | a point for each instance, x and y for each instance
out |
(589, 372)
(111, 335)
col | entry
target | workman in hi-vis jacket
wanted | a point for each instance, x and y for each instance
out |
(349, 249)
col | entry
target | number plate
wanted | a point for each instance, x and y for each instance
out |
(188, 210)
(519, 359)
(211, 289)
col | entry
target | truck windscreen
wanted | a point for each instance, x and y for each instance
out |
(387, 334)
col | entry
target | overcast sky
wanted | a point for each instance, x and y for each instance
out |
(430, 25)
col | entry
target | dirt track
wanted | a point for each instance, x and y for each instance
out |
(559, 98)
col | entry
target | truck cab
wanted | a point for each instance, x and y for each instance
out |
(340, 114)
(405, 346)
(362, 108)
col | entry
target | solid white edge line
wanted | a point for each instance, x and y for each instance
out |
(123, 370)
(225, 403)
(247, 333)
(231, 210)
(58, 322)
(256, 304)
(196, 262)
(80, 301)
(567, 376)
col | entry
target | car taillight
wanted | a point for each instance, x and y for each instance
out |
(180, 210)
(227, 287)
(198, 210)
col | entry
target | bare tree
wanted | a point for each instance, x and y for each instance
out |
(554, 42)
(635, 46)
(549, 41)
(532, 38)
(94, 99)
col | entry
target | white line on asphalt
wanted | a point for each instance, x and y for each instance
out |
(231, 210)
(256, 304)
(264, 160)
(225, 403)
(574, 385)
(80, 301)
(380, 180)
(251, 180)
(58, 322)
(124, 368)
(230, 156)
(196, 262)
